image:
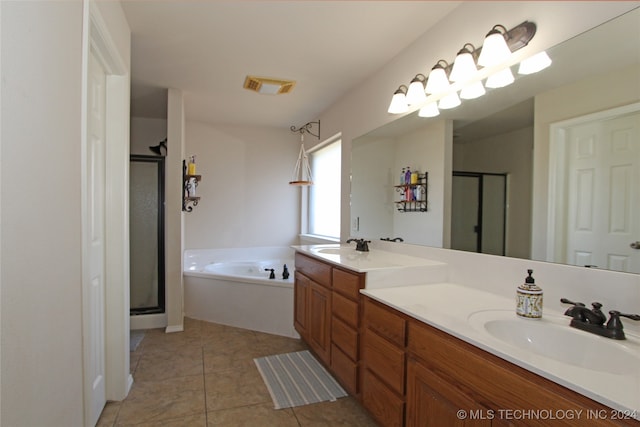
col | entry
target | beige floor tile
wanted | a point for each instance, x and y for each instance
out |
(199, 420)
(158, 401)
(109, 414)
(167, 364)
(235, 388)
(262, 415)
(345, 412)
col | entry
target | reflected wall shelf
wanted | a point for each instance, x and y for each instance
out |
(413, 197)
(189, 185)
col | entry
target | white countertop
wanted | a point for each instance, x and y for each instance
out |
(449, 308)
(384, 269)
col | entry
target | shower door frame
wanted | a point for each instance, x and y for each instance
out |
(160, 161)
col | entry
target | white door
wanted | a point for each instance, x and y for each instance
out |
(604, 171)
(94, 300)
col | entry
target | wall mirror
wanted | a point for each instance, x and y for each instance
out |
(516, 131)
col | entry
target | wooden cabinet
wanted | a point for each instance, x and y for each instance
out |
(327, 316)
(446, 375)
(383, 363)
(345, 325)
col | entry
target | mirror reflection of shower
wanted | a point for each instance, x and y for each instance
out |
(146, 202)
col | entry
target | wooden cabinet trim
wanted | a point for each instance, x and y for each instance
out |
(314, 269)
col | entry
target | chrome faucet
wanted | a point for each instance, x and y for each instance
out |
(361, 244)
(592, 319)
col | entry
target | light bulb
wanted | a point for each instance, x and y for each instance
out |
(535, 63)
(494, 50)
(398, 103)
(437, 81)
(451, 100)
(429, 110)
(472, 91)
(416, 94)
(500, 79)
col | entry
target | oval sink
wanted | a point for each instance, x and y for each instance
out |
(558, 342)
(332, 251)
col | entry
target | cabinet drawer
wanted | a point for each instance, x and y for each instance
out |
(384, 322)
(345, 369)
(382, 403)
(314, 269)
(385, 359)
(347, 283)
(345, 337)
(345, 309)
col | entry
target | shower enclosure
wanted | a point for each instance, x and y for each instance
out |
(146, 222)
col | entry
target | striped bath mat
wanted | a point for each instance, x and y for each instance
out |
(296, 379)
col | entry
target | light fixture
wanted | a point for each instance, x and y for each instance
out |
(416, 94)
(450, 100)
(157, 148)
(500, 79)
(429, 110)
(398, 103)
(464, 66)
(438, 81)
(495, 49)
(472, 91)
(535, 63)
(268, 86)
(302, 171)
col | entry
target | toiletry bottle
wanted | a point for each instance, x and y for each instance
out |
(192, 165)
(529, 299)
(402, 177)
(407, 176)
(414, 177)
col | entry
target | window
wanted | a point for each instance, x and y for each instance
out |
(324, 194)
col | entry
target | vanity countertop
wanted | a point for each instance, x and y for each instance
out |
(465, 312)
(384, 269)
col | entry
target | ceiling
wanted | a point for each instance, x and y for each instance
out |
(207, 48)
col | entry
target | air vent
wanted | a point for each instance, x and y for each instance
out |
(268, 86)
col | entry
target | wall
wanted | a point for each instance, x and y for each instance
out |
(40, 196)
(565, 103)
(146, 132)
(245, 196)
(509, 153)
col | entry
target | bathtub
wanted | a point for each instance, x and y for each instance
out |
(231, 287)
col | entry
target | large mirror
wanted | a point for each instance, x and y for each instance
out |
(547, 168)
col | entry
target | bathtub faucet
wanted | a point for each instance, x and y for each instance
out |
(285, 272)
(272, 275)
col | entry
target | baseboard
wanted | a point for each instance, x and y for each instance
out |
(174, 328)
(148, 321)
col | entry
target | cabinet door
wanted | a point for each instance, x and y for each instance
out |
(300, 308)
(432, 401)
(319, 327)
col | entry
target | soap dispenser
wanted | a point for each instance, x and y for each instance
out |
(529, 299)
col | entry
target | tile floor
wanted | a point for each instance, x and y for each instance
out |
(205, 376)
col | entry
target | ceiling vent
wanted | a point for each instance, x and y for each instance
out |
(268, 86)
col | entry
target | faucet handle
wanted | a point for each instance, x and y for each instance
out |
(577, 304)
(615, 324)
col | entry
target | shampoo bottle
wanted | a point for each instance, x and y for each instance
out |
(407, 176)
(192, 166)
(529, 299)
(402, 182)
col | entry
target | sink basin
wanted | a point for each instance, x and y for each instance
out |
(335, 251)
(554, 340)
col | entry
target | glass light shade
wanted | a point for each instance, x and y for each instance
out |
(451, 100)
(416, 94)
(472, 91)
(494, 50)
(429, 110)
(535, 63)
(438, 81)
(398, 103)
(500, 79)
(464, 67)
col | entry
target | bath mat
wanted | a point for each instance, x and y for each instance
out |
(135, 337)
(296, 379)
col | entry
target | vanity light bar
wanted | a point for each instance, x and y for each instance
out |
(499, 43)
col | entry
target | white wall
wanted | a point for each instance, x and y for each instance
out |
(510, 153)
(146, 132)
(41, 240)
(583, 97)
(245, 196)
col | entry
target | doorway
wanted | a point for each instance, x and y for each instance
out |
(478, 212)
(146, 217)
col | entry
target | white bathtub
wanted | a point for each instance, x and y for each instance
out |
(231, 287)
